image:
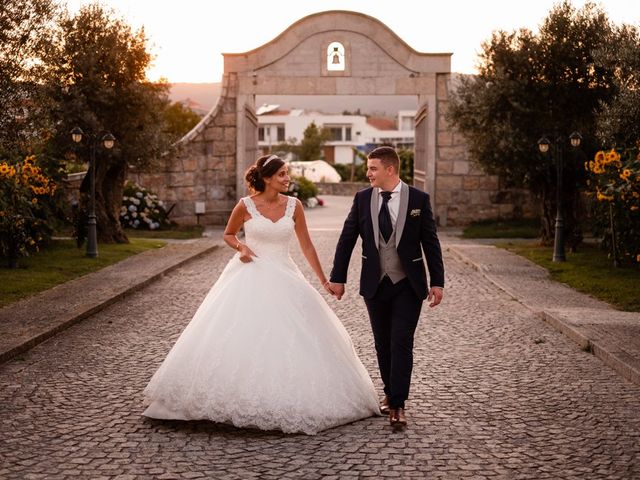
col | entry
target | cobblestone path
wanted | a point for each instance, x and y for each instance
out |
(496, 393)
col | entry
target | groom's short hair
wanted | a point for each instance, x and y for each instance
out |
(387, 156)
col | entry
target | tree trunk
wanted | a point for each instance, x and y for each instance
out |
(109, 189)
(548, 216)
(573, 213)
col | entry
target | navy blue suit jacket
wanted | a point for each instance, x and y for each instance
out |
(415, 234)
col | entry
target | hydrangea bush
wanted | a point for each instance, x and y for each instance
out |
(141, 209)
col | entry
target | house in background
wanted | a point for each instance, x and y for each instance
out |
(348, 132)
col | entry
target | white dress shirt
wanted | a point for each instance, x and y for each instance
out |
(394, 203)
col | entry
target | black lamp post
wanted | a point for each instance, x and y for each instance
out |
(107, 141)
(544, 145)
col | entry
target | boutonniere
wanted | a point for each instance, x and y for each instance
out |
(415, 212)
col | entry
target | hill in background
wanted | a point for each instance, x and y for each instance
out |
(201, 97)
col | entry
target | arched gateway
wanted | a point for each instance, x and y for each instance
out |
(328, 53)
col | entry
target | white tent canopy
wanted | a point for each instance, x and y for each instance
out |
(315, 170)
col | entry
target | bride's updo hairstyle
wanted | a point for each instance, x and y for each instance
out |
(265, 167)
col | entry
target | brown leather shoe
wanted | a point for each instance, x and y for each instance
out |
(397, 418)
(384, 405)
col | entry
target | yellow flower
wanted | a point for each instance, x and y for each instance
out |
(34, 200)
(612, 156)
(626, 173)
(600, 156)
(4, 168)
(602, 197)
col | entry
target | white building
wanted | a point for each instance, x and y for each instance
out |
(347, 131)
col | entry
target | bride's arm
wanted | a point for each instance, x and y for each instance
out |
(306, 245)
(234, 224)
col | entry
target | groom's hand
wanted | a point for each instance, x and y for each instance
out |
(435, 296)
(337, 289)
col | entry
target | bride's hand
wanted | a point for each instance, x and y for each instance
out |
(245, 254)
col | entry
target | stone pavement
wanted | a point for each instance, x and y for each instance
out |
(33, 320)
(497, 393)
(610, 334)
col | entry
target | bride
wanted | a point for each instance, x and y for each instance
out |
(264, 349)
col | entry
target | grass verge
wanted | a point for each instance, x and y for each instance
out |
(589, 271)
(177, 233)
(520, 228)
(60, 262)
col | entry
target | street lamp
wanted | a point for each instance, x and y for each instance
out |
(108, 141)
(544, 145)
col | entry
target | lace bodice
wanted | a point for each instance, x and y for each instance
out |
(266, 237)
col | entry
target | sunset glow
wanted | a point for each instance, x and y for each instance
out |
(189, 37)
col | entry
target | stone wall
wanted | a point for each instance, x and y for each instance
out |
(464, 192)
(201, 167)
(347, 189)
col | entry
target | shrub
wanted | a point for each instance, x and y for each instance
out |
(359, 172)
(302, 188)
(23, 224)
(141, 209)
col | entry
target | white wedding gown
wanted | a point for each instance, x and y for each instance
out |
(264, 349)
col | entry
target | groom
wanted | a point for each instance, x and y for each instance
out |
(396, 225)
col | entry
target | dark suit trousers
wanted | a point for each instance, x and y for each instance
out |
(394, 311)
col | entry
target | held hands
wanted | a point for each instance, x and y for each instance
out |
(435, 296)
(335, 289)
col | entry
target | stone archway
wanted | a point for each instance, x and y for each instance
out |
(372, 60)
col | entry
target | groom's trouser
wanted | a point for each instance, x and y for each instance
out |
(394, 311)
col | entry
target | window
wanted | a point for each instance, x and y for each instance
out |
(261, 134)
(335, 134)
(281, 133)
(406, 123)
(336, 59)
(339, 133)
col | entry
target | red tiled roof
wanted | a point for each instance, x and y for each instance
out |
(382, 123)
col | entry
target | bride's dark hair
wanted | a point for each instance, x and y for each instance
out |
(266, 166)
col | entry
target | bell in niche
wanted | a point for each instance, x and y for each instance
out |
(336, 56)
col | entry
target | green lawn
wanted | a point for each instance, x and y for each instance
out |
(521, 228)
(589, 271)
(60, 262)
(177, 233)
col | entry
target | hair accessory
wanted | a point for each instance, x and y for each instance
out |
(269, 159)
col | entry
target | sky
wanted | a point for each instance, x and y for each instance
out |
(188, 37)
